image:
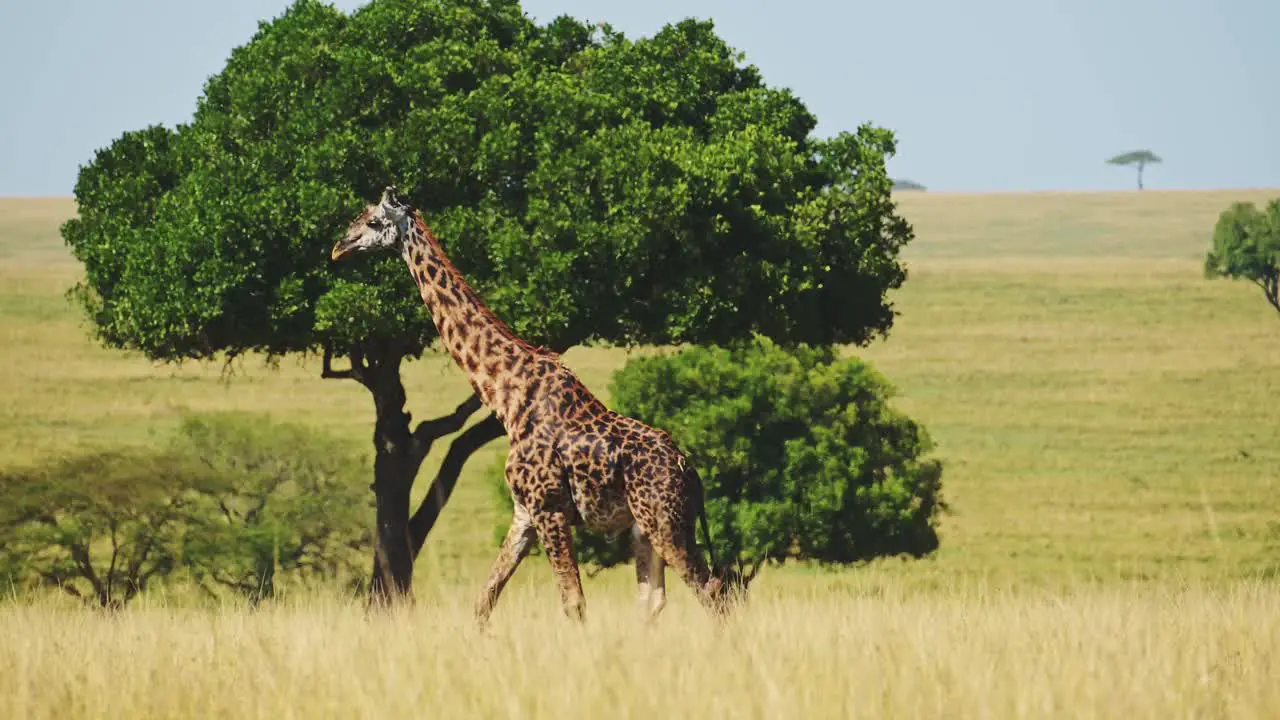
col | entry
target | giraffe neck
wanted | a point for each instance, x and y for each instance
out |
(496, 361)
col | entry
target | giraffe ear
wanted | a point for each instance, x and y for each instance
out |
(391, 197)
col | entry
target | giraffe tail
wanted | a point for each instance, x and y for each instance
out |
(692, 475)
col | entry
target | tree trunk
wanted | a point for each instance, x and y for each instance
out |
(394, 469)
(1140, 165)
(398, 455)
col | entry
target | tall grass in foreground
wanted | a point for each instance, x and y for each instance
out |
(1129, 651)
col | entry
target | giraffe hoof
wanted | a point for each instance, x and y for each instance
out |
(576, 612)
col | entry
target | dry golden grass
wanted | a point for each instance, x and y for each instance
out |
(1125, 651)
(1106, 417)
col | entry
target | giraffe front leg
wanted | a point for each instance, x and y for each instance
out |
(557, 540)
(515, 546)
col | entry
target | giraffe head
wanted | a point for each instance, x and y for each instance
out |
(381, 226)
(728, 585)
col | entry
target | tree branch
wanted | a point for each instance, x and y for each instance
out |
(428, 431)
(164, 564)
(251, 515)
(204, 587)
(225, 581)
(80, 555)
(135, 573)
(359, 370)
(1269, 284)
(460, 450)
(326, 368)
(115, 553)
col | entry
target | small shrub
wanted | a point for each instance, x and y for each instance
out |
(101, 526)
(290, 504)
(237, 501)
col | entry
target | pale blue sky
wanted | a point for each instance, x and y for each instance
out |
(985, 95)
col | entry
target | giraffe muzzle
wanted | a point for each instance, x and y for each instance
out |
(340, 248)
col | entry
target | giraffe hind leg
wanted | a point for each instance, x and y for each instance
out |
(642, 551)
(657, 585)
(674, 545)
(650, 575)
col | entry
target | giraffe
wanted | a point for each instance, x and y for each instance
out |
(572, 461)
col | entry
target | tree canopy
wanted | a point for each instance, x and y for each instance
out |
(1246, 245)
(594, 188)
(1138, 158)
(1135, 157)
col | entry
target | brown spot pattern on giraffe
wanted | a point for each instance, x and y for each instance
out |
(572, 460)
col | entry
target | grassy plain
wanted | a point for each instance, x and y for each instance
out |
(1106, 417)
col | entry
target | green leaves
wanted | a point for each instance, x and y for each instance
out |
(289, 505)
(1246, 245)
(593, 189)
(1135, 157)
(799, 451)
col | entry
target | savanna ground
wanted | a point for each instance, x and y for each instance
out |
(1106, 417)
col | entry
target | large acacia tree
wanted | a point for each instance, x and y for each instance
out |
(593, 188)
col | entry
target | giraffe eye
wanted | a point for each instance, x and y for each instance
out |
(375, 223)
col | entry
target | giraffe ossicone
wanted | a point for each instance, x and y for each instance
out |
(572, 460)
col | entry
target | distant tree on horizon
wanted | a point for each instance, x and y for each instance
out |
(905, 184)
(1141, 158)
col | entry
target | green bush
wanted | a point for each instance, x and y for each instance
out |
(236, 501)
(799, 451)
(289, 503)
(100, 526)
